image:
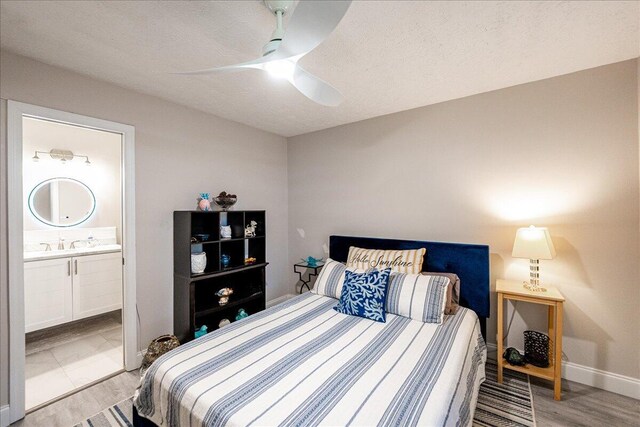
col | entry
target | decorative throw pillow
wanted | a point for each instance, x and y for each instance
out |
(400, 261)
(453, 291)
(418, 296)
(364, 294)
(329, 281)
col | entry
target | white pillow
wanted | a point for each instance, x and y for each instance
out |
(417, 296)
(330, 280)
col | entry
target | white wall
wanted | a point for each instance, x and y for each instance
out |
(561, 153)
(104, 150)
(179, 153)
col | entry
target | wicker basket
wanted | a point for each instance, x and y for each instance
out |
(157, 348)
(537, 348)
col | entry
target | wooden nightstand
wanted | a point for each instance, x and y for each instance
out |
(553, 299)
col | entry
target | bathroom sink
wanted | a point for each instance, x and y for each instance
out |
(38, 255)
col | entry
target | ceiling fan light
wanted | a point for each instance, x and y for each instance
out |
(282, 69)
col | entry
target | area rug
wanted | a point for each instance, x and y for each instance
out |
(506, 404)
(500, 405)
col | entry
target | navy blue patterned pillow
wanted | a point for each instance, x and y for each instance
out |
(364, 294)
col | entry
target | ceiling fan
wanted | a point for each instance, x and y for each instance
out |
(311, 23)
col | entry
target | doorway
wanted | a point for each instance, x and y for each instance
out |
(72, 315)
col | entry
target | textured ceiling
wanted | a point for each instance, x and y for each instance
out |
(385, 56)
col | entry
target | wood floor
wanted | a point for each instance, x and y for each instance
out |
(580, 406)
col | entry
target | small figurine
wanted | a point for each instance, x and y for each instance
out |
(241, 314)
(250, 260)
(250, 230)
(204, 204)
(225, 260)
(224, 295)
(225, 231)
(311, 261)
(201, 332)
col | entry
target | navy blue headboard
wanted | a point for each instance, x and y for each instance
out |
(469, 262)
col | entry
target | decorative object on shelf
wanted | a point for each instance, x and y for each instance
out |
(513, 357)
(198, 262)
(202, 237)
(157, 348)
(250, 260)
(241, 314)
(201, 332)
(224, 295)
(250, 229)
(534, 243)
(311, 261)
(225, 201)
(225, 260)
(225, 231)
(536, 348)
(224, 322)
(204, 202)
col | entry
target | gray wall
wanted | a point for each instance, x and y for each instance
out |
(179, 153)
(561, 153)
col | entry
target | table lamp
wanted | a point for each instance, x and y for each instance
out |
(533, 243)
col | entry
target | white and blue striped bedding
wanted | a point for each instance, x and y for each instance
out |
(302, 363)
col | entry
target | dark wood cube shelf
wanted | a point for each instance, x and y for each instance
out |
(194, 294)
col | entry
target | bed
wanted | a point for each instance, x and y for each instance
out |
(302, 363)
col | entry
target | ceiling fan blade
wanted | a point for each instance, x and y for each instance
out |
(311, 23)
(256, 63)
(315, 88)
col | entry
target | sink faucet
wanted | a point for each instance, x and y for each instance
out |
(47, 246)
(73, 244)
(61, 245)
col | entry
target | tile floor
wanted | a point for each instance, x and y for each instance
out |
(69, 361)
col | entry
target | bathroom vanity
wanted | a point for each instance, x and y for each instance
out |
(66, 285)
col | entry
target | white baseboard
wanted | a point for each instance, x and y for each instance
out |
(278, 300)
(616, 383)
(609, 381)
(139, 357)
(4, 416)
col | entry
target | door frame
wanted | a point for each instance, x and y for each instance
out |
(15, 112)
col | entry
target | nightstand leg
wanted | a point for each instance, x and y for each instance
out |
(557, 382)
(499, 337)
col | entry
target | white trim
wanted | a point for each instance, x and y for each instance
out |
(278, 300)
(15, 261)
(140, 356)
(15, 112)
(4, 416)
(609, 381)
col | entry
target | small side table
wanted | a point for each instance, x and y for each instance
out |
(301, 268)
(553, 299)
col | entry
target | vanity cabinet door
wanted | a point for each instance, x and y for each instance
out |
(47, 293)
(97, 284)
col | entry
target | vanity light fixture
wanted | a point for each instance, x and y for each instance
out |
(63, 155)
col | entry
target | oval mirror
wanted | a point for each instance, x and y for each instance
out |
(62, 202)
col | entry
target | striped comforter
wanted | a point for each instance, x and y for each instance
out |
(302, 363)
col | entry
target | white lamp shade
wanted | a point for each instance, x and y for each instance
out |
(533, 243)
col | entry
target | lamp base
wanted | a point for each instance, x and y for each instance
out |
(533, 287)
